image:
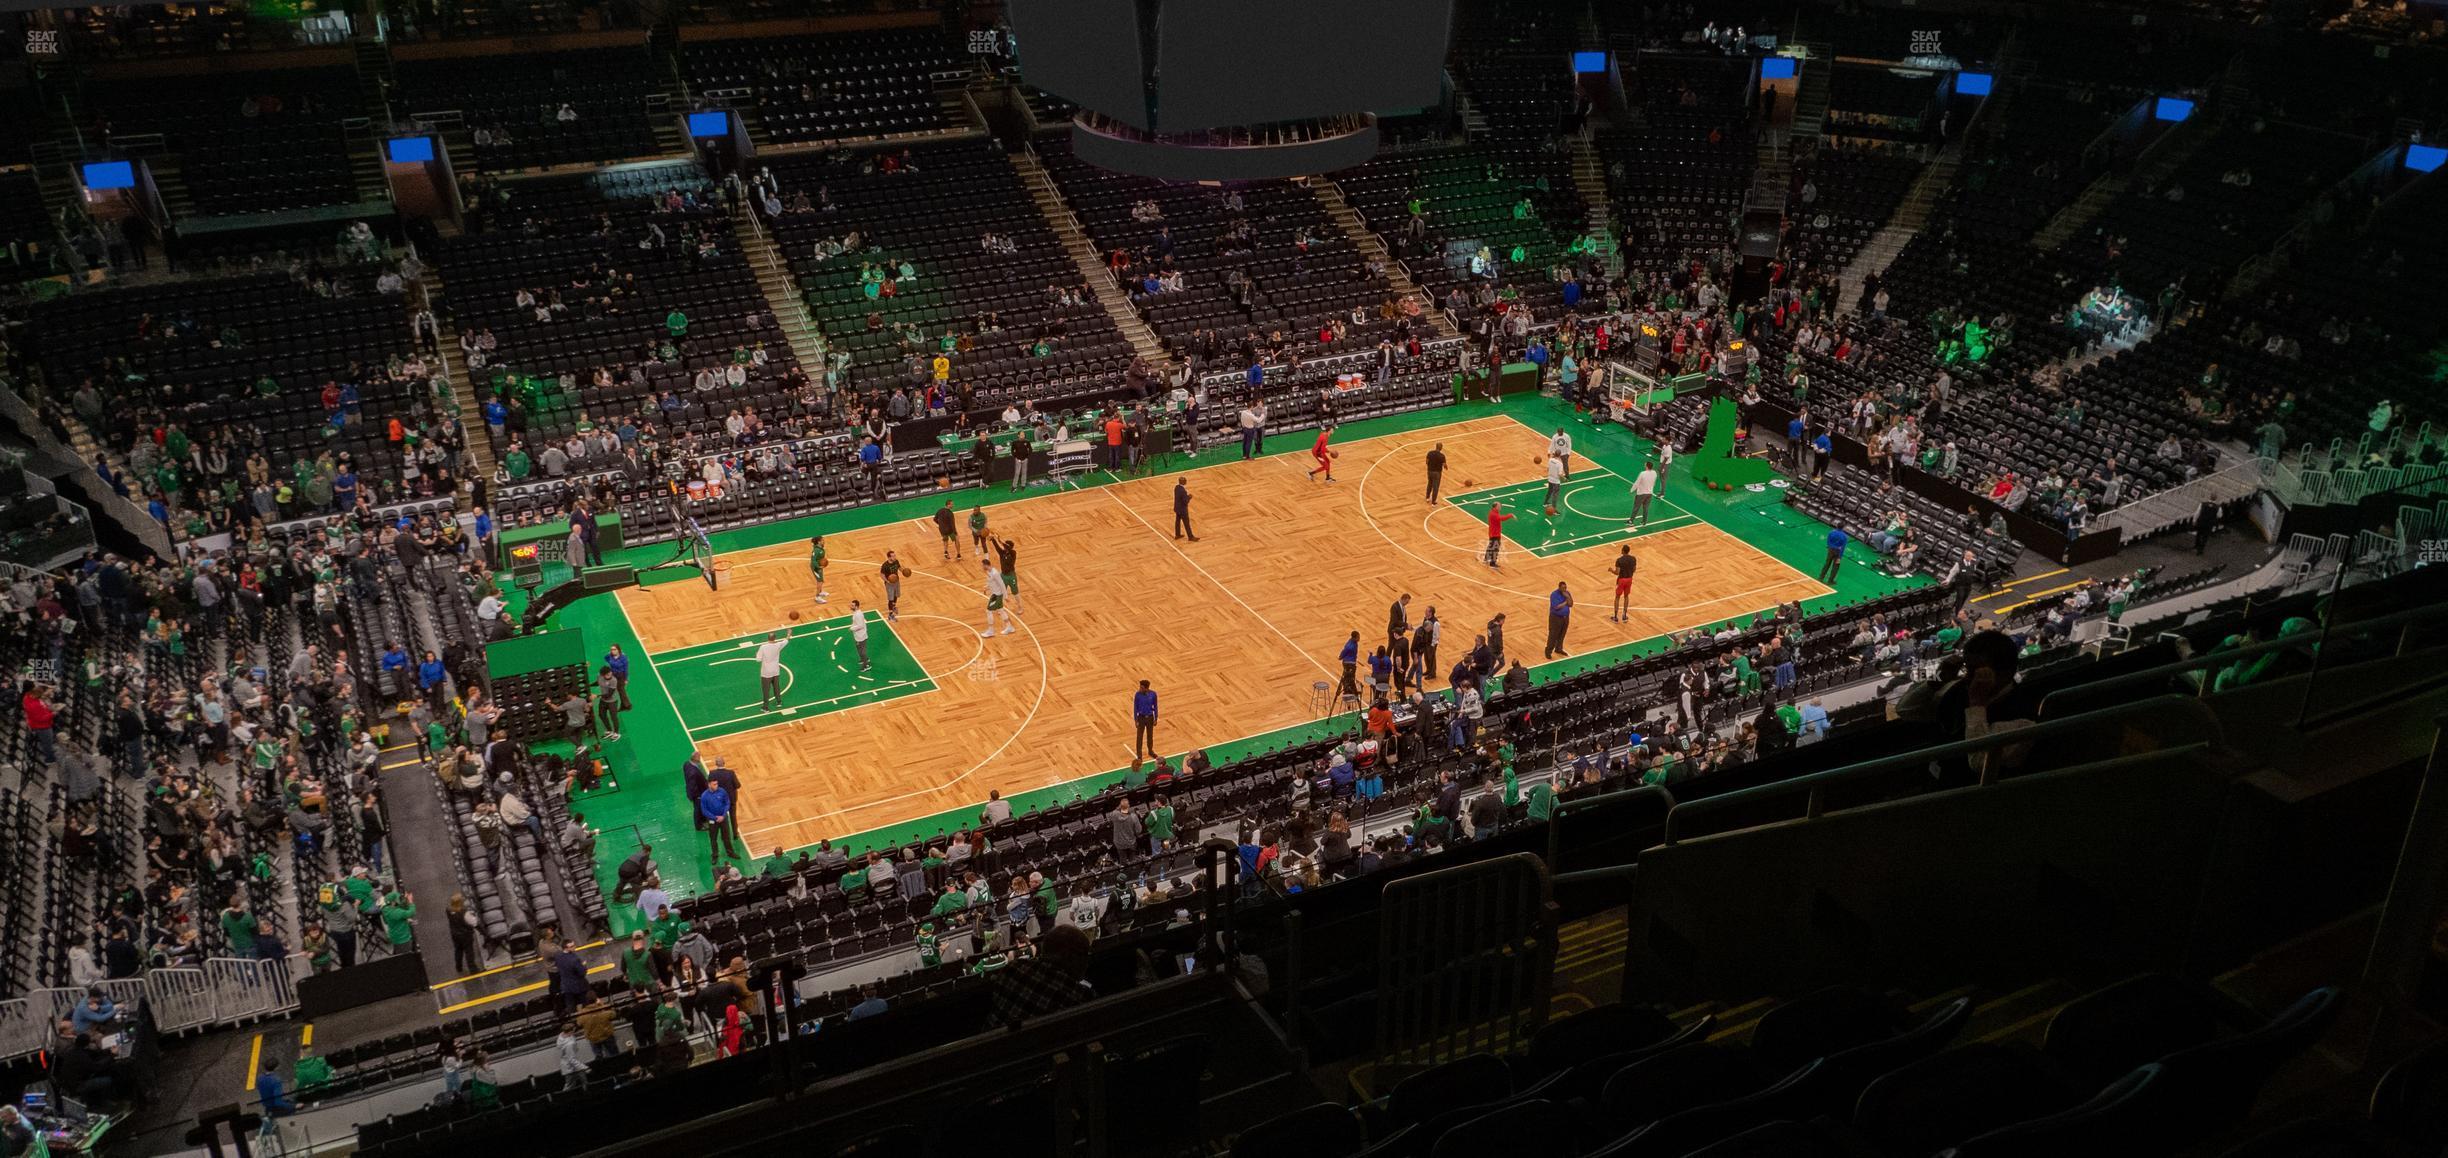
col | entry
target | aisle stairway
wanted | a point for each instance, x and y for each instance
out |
(1084, 255)
(1589, 176)
(1398, 278)
(781, 290)
(462, 380)
(1910, 215)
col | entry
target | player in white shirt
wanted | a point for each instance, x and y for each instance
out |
(769, 668)
(858, 632)
(1644, 488)
(1555, 484)
(1559, 448)
(995, 591)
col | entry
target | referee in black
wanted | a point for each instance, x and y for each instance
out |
(1436, 471)
(1181, 511)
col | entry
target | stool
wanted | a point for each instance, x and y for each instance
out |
(1321, 698)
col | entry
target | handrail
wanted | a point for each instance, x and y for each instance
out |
(135, 519)
(1555, 819)
(2225, 656)
(1816, 784)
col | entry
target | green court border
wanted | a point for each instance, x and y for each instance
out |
(650, 805)
(892, 648)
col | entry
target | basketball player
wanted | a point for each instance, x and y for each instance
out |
(1555, 485)
(1436, 472)
(1625, 565)
(1496, 522)
(947, 529)
(858, 633)
(1559, 448)
(816, 565)
(892, 588)
(1007, 561)
(1325, 458)
(1644, 488)
(769, 668)
(995, 591)
(977, 529)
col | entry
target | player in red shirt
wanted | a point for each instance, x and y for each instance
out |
(1496, 522)
(1325, 458)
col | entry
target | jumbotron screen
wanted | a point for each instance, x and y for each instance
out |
(1234, 62)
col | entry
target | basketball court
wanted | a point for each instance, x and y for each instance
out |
(1237, 632)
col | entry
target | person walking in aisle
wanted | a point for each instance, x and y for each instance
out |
(892, 587)
(1836, 540)
(858, 633)
(1181, 511)
(996, 590)
(1143, 724)
(1559, 616)
(1625, 565)
(1436, 471)
(816, 565)
(1644, 489)
(947, 528)
(1496, 522)
(619, 663)
(608, 702)
(769, 668)
(1007, 561)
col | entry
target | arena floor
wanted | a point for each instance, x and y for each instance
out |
(1236, 632)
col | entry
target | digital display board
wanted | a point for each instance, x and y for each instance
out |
(409, 150)
(110, 175)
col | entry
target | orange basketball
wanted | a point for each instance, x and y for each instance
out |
(794, 617)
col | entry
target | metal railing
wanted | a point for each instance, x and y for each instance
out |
(2153, 511)
(797, 323)
(1815, 787)
(2404, 623)
(138, 521)
(223, 991)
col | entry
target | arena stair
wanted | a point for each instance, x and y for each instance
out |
(463, 382)
(781, 291)
(374, 80)
(2162, 158)
(1589, 176)
(1398, 278)
(1910, 215)
(1084, 255)
(1811, 103)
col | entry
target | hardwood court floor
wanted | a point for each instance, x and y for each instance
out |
(1231, 630)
